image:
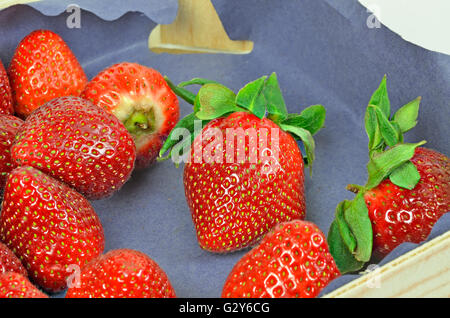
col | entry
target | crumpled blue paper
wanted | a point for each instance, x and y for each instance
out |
(323, 52)
(162, 12)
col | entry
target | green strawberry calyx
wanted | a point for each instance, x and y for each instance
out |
(261, 97)
(350, 235)
(140, 122)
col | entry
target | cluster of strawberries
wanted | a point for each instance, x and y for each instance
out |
(58, 150)
(72, 141)
(238, 203)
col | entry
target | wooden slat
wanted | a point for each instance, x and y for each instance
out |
(7, 3)
(422, 272)
(196, 29)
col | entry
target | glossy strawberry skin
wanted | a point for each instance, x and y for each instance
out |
(125, 88)
(49, 226)
(6, 101)
(78, 143)
(43, 67)
(122, 273)
(400, 215)
(15, 285)
(10, 262)
(291, 261)
(9, 126)
(234, 204)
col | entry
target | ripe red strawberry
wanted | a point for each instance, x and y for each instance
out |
(143, 102)
(122, 273)
(49, 226)
(407, 191)
(292, 260)
(6, 102)
(15, 285)
(234, 204)
(9, 126)
(244, 171)
(9, 262)
(43, 67)
(401, 215)
(78, 143)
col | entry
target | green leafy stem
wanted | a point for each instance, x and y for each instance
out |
(261, 97)
(350, 235)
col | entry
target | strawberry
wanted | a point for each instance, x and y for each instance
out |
(291, 261)
(233, 204)
(49, 226)
(401, 215)
(42, 68)
(15, 285)
(6, 101)
(407, 191)
(9, 262)
(122, 273)
(143, 102)
(9, 126)
(78, 143)
(244, 173)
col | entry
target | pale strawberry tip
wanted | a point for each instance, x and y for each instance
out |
(140, 98)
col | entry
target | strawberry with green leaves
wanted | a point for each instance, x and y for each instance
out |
(244, 172)
(141, 99)
(15, 285)
(81, 144)
(291, 261)
(122, 273)
(6, 101)
(407, 191)
(9, 127)
(42, 68)
(49, 226)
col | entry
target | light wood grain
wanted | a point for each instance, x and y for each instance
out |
(196, 29)
(422, 272)
(7, 3)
